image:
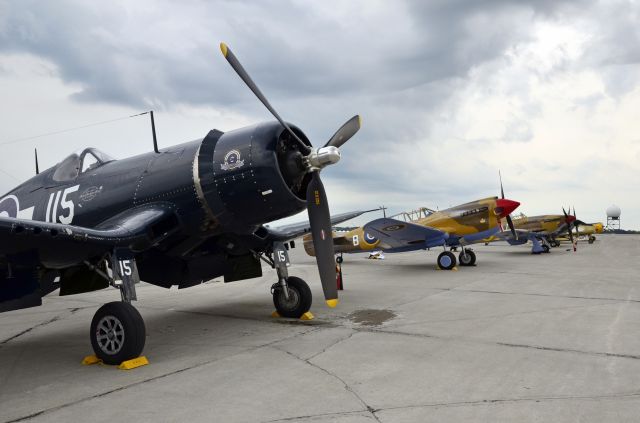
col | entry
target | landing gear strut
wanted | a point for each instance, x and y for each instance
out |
(117, 329)
(291, 296)
(299, 301)
(467, 257)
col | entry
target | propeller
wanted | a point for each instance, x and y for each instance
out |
(315, 161)
(509, 221)
(576, 223)
(569, 228)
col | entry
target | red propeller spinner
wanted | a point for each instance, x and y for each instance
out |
(505, 207)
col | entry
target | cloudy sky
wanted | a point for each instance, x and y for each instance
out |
(450, 91)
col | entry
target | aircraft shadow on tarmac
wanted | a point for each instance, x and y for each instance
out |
(216, 325)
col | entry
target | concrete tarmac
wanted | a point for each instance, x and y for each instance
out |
(518, 338)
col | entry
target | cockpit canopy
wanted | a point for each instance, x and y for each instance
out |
(80, 162)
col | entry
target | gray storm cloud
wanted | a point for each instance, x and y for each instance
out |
(406, 67)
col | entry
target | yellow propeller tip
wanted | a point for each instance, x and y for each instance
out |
(359, 121)
(332, 303)
(224, 49)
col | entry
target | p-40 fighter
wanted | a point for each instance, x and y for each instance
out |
(457, 226)
(542, 231)
(179, 216)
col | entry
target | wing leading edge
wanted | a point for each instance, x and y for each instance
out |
(397, 234)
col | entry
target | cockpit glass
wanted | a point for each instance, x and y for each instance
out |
(68, 169)
(89, 161)
(102, 156)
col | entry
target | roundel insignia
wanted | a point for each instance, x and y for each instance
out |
(232, 160)
(392, 228)
(369, 238)
(9, 206)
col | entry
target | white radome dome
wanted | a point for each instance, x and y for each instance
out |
(613, 211)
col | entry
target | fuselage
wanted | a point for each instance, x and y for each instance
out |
(222, 187)
(550, 223)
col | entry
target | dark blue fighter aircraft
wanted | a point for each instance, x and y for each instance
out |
(178, 216)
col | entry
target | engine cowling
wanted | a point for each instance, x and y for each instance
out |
(252, 175)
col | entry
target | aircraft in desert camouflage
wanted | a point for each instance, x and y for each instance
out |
(543, 231)
(423, 229)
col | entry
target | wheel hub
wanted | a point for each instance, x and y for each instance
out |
(110, 335)
(292, 302)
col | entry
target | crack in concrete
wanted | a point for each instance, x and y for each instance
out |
(504, 344)
(570, 350)
(315, 416)
(24, 332)
(515, 400)
(152, 379)
(56, 318)
(347, 387)
(489, 401)
(575, 297)
(324, 350)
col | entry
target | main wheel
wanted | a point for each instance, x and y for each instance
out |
(545, 248)
(467, 258)
(591, 239)
(117, 333)
(446, 260)
(299, 301)
(554, 243)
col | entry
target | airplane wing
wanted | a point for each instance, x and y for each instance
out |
(294, 230)
(523, 236)
(405, 235)
(28, 248)
(137, 229)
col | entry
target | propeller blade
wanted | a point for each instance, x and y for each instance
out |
(569, 228)
(320, 221)
(570, 231)
(242, 73)
(512, 227)
(345, 132)
(501, 188)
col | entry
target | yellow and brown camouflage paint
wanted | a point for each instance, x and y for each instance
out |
(465, 219)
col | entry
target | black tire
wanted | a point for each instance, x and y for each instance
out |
(467, 258)
(545, 249)
(299, 298)
(446, 260)
(592, 239)
(554, 243)
(339, 259)
(117, 333)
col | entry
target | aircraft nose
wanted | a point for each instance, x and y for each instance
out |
(505, 207)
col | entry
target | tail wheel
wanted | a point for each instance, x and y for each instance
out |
(299, 301)
(339, 259)
(117, 333)
(446, 260)
(467, 258)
